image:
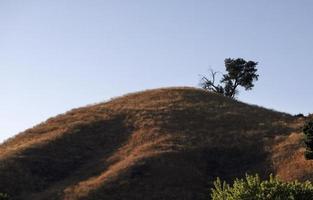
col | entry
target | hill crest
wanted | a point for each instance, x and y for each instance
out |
(159, 144)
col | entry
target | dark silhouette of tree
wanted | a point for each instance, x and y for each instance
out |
(239, 73)
(308, 140)
(209, 84)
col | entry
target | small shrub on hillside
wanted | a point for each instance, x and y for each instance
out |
(253, 188)
(308, 140)
(299, 115)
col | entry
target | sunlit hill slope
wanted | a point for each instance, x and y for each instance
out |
(159, 144)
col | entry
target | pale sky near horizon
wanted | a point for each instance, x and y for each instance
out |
(57, 55)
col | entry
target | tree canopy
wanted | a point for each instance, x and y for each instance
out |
(239, 73)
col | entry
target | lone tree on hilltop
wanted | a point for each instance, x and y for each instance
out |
(239, 73)
(308, 140)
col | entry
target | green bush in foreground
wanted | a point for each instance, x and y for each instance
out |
(4, 196)
(253, 188)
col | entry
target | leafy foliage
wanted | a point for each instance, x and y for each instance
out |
(253, 188)
(239, 73)
(308, 140)
(4, 196)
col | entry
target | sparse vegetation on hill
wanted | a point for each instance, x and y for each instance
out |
(253, 188)
(166, 144)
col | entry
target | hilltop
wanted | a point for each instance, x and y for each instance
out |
(158, 144)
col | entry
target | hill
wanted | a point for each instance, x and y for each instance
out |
(158, 144)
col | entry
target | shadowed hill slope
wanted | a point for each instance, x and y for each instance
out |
(158, 144)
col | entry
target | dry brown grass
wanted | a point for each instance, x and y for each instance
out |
(158, 144)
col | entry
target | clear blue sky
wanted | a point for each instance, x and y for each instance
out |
(57, 55)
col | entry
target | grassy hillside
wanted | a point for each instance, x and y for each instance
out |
(158, 144)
